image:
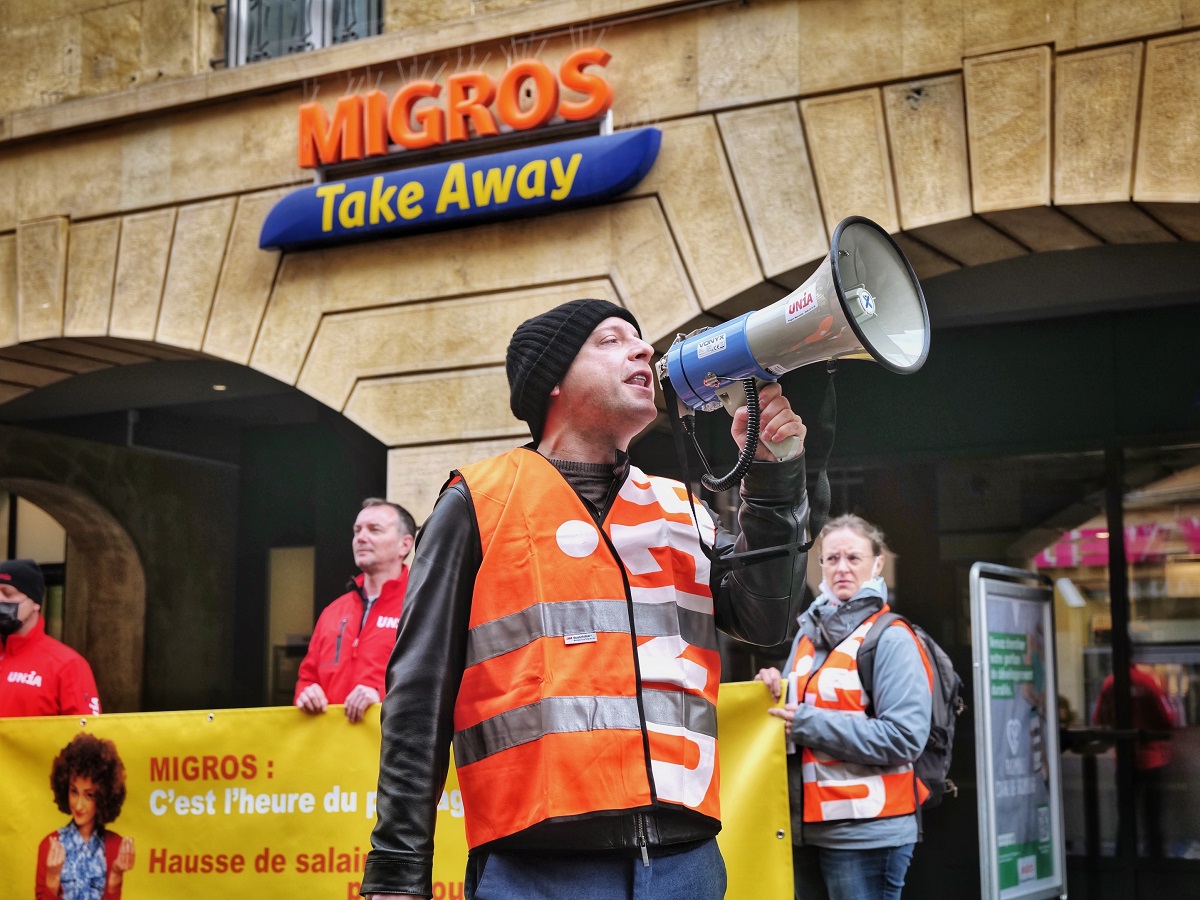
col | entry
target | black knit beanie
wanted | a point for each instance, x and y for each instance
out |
(543, 348)
(26, 576)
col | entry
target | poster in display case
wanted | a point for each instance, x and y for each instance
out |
(1021, 844)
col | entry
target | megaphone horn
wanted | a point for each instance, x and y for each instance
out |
(862, 302)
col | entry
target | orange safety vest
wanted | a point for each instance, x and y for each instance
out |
(835, 790)
(592, 664)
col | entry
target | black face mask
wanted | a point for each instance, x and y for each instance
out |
(10, 622)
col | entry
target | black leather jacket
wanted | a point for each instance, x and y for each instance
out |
(753, 603)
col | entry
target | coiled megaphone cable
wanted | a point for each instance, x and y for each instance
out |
(746, 457)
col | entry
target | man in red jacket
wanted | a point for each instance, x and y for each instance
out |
(348, 653)
(39, 676)
(1154, 717)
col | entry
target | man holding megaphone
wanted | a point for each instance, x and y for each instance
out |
(560, 629)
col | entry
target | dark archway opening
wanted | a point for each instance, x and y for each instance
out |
(210, 467)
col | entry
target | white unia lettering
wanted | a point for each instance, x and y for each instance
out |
(634, 543)
(33, 679)
(661, 659)
(387, 622)
(832, 680)
(866, 806)
(675, 781)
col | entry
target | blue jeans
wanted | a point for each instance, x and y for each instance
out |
(825, 874)
(697, 874)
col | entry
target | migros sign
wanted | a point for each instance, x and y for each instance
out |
(521, 182)
(371, 124)
(504, 185)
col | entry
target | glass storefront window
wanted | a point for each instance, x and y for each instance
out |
(1162, 526)
(1161, 544)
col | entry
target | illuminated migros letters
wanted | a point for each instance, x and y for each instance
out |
(370, 124)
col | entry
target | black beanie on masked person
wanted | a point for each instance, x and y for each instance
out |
(543, 348)
(26, 576)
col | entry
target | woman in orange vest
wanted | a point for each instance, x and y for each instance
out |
(850, 773)
(561, 628)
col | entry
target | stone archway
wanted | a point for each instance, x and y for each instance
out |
(104, 618)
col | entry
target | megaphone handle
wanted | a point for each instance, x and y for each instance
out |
(733, 398)
(788, 448)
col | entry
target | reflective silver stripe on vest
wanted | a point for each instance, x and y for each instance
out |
(552, 715)
(558, 715)
(677, 708)
(834, 770)
(511, 632)
(658, 619)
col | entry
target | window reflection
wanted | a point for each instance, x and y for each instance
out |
(1162, 546)
(267, 29)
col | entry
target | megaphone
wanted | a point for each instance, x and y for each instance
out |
(863, 302)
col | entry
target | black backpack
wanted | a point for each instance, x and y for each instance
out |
(933, 765)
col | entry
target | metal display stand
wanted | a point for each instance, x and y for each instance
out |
(1022, 850)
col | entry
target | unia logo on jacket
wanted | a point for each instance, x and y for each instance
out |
(387, 622)
(33, 679)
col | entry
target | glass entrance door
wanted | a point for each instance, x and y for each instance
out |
(1161, 511)
(1127, 592)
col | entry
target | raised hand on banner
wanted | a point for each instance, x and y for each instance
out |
(358, 700)
(772, 678)
(55, 857)
(312, 699)
(122, 864)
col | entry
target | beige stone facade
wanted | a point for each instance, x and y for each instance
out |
(134, 179)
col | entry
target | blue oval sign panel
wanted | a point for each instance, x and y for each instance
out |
(515, 183)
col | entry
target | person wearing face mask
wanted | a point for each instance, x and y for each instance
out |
(39, 676)
(854, 795)
(85, 860)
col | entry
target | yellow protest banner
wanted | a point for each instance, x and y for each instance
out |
(258, 803)
(756, 834)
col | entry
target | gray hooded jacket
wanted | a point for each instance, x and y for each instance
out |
(894, 734)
